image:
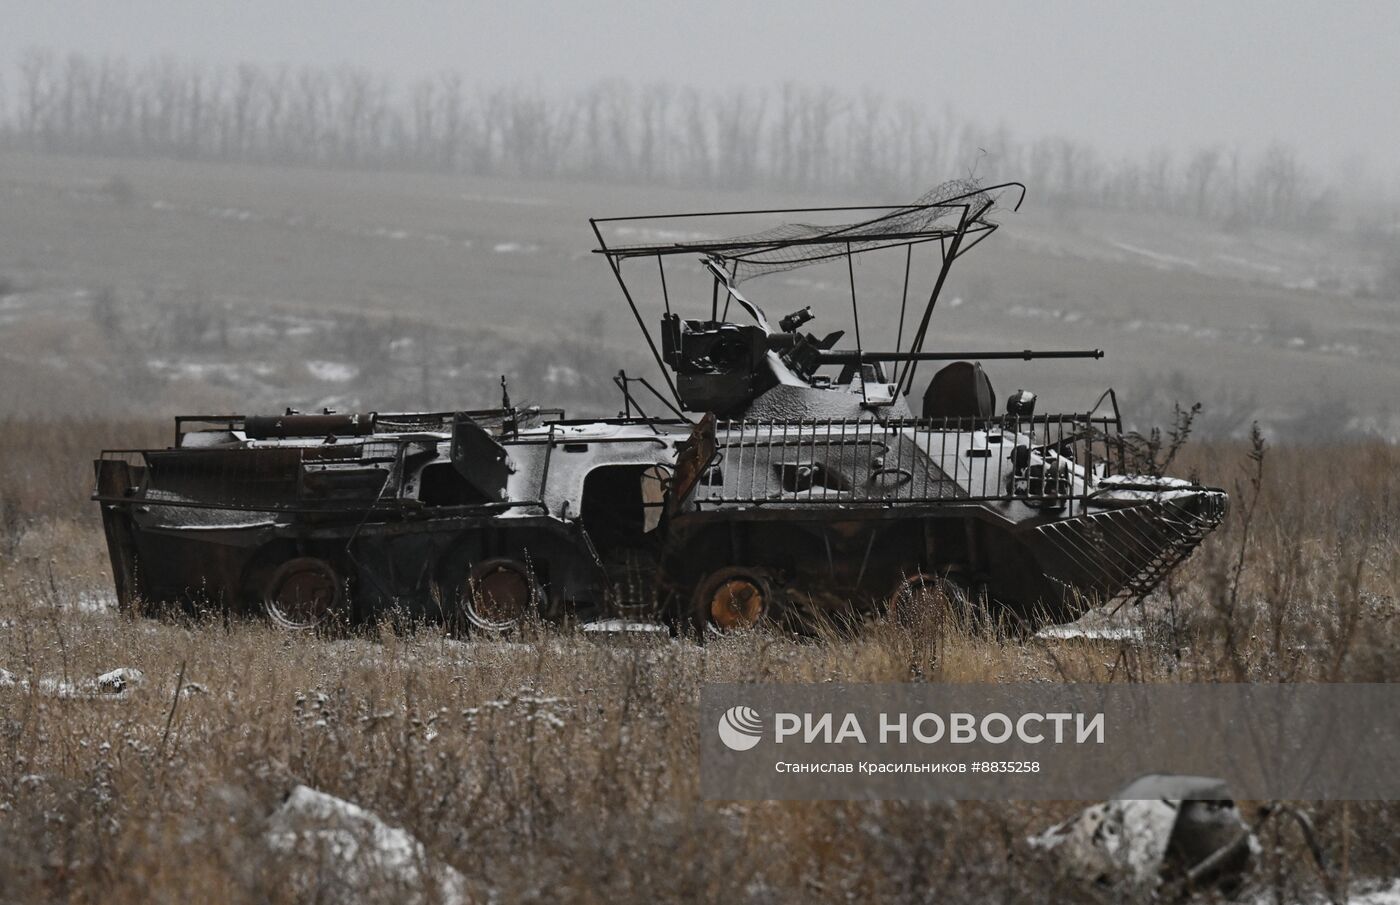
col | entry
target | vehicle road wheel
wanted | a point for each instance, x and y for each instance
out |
(500, 594)
(929, 601)
(732, 599)
(302, 594)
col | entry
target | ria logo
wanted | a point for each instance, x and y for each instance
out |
(740, 728)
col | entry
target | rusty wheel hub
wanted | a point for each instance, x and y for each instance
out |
(302, 593)
(733, 599)
(737, 604)
(500, 595)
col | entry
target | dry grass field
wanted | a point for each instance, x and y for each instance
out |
(558, 767)
(554, 765)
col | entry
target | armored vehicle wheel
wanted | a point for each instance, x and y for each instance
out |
(499, 595)
(732, 599)
(302, 593)
(929, 600)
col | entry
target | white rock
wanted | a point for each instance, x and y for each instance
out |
(1113, 842)
(356, 854)
(120, 680)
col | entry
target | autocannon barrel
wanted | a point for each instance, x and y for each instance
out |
(851, 356)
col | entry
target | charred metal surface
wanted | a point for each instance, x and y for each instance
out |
(792, 477)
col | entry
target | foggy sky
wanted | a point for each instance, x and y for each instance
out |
(1126, 77)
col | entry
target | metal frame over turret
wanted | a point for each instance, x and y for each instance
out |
(952, 219)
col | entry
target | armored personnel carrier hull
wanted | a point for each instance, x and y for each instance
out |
(772, 492)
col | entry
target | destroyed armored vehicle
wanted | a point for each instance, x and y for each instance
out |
(778, 474)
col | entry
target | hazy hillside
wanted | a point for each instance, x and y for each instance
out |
(149, 286)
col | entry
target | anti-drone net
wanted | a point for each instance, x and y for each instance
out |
(795, 245)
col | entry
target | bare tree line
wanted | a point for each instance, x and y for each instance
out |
(789, 136)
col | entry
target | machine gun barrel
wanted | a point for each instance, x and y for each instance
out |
(854, 357)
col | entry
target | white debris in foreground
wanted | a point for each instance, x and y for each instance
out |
(1158, 824)
(1113, 841)
(357, 855)
(119, 680)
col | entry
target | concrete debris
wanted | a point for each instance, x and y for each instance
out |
(351, 855)
(7, 679)
(1159, 829)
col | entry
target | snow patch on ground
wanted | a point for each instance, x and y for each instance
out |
(1084, 633)
(563, 375)
(1388, 894)
(1374, 892)
(232, 372)
(619, 626)
(504, 199)
(1161, 259)
(648, 235)
(515, 248)
(812, 285)
(1252, 265)
(96, 602)
(332, 371)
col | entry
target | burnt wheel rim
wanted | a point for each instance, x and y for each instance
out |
(737, 604)
(302, 593)
(499, 597)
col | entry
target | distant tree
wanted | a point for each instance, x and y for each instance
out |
(105, 313)
(1277, 190)
(798, 137)
(1200, 177)
(243, 111)
(453, 118)
(653, 123)
(36, 76)
(699, 153)
(1390, 276)
(1159, 178)
(738, 124)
